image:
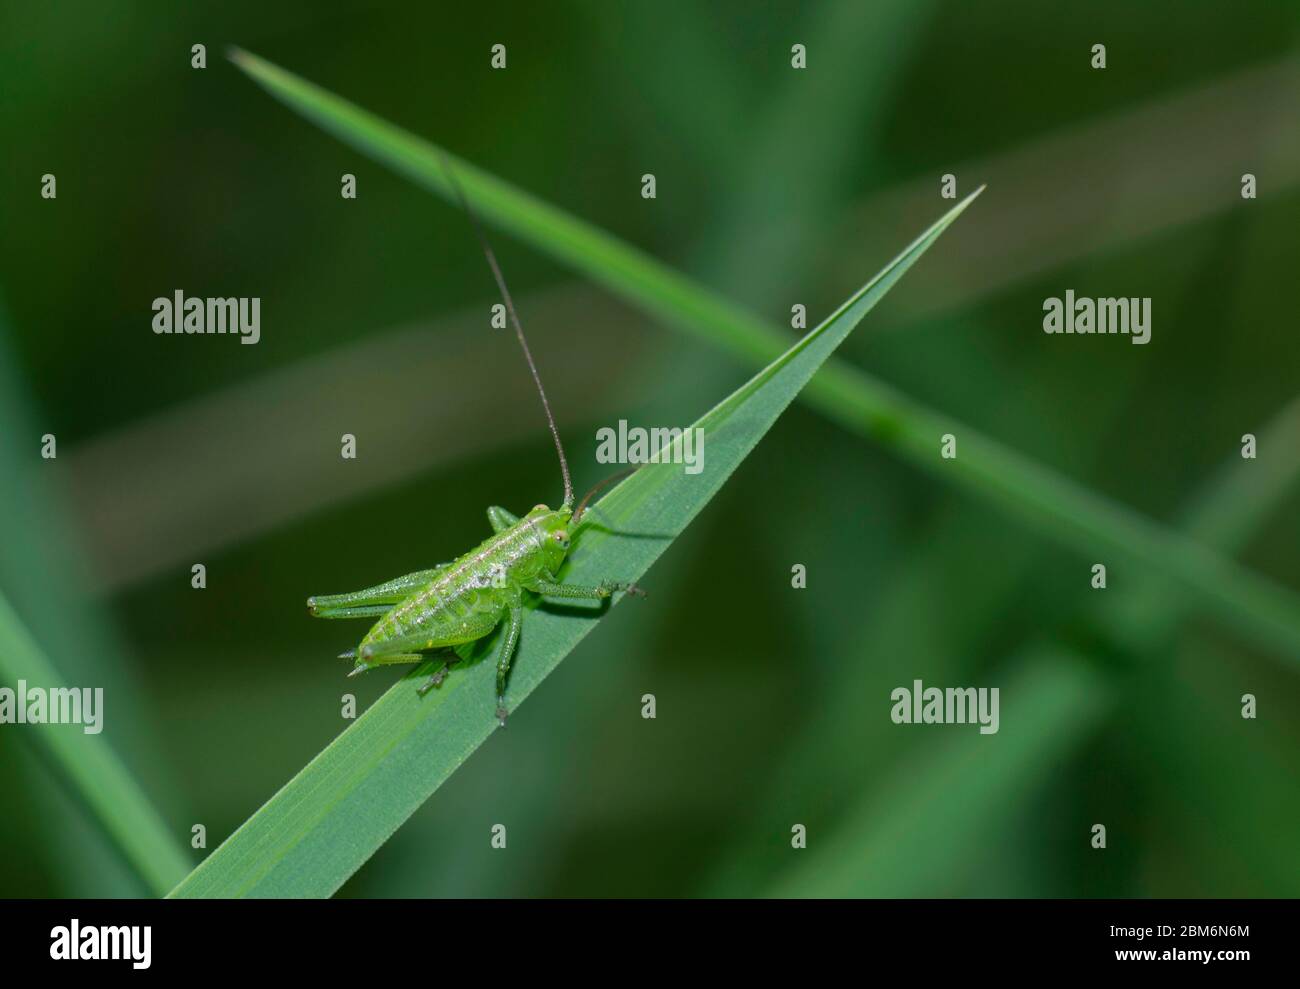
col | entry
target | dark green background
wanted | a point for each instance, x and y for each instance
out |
(774, 187)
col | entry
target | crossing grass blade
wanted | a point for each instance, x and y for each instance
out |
(91, 768)
(1091, 525)
(40, 573)
(331, 817)
(900, 841)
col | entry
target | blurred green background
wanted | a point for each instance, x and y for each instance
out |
(775, 187)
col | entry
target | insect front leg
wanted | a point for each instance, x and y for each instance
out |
(515, 623)
(553, 589)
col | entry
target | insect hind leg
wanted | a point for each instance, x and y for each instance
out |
(366, 611)
(437, 677)
(388, 659)
(453, 655)
(371, 600)
(415, 647)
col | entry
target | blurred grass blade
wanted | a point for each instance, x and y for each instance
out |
(1092, 525)
(1223, 514)
(43, 580)
(916, 835)
(331, 817)
(92, 768)
(921, 833)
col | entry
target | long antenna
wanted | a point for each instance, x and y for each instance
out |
(582, 505)
(514, 319)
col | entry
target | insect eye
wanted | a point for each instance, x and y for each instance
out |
(560, 537)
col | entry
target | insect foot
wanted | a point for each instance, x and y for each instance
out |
(434, 681)
(608, 588)
(502, 713)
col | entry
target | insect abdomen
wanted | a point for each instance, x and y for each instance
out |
(466, 600)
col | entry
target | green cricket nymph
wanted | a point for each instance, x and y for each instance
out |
(450, 607)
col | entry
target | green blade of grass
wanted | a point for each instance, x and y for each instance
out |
(92, 768)
(901, 841)
(331, 817)
(916, 834)
(1057, 507)
(42, 581)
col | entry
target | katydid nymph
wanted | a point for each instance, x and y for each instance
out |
(444, 611)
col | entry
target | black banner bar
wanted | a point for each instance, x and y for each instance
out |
(341, 938)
